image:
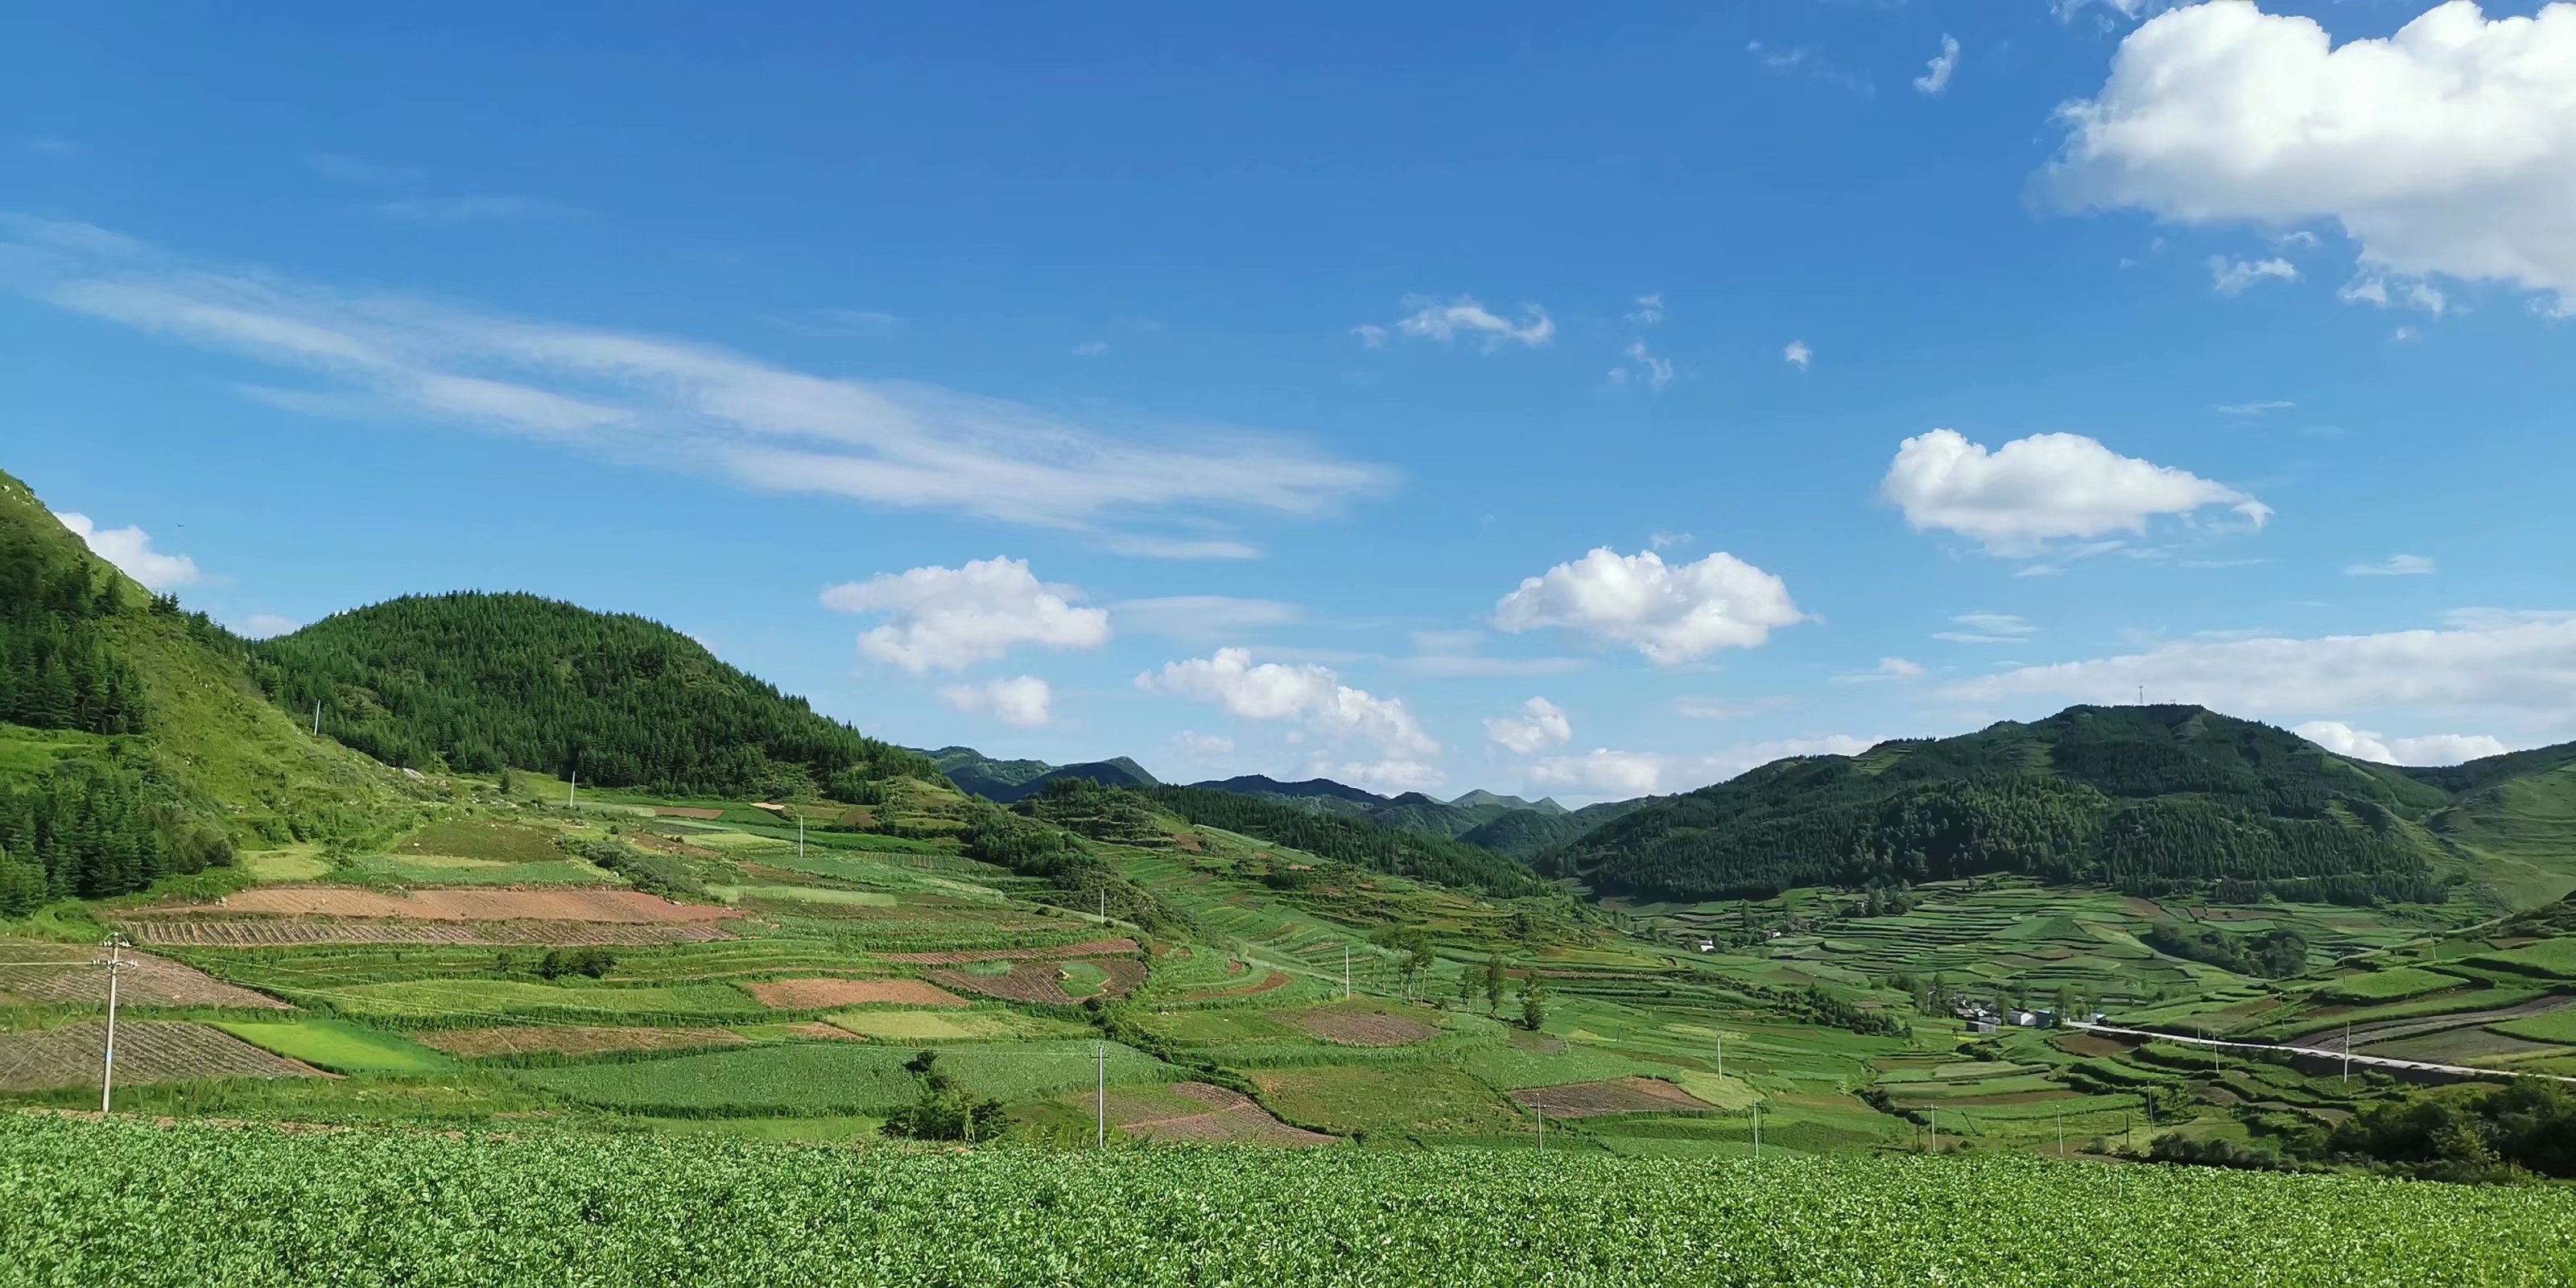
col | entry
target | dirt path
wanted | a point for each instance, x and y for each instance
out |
(2330, 1053)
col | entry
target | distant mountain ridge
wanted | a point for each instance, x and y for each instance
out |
(1011, 781)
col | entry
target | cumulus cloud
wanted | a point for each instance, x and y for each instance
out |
(1022, 701)
(1650, 310)
(1936, 74)
(2030, 491)
(1390, 777)
(2488, 663)
(2231, 277)
(2394, 566)
(262, 626)
(1447, 320)
(2430, 749)
(1306, 693)
(1671, 613)
(678, 404)
(2447, 148)
(130, 549)
(953, 618)
(1888, 668)
(1604, 772)
(1798, 355)
(1539, 726)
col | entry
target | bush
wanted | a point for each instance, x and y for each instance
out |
(592, 962)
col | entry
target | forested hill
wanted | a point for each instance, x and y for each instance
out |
(1009, 781)
(2151, 800)
(133, 744)
(482, 681)
(1352, 840)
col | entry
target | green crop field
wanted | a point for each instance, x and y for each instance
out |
(831, 1077)
(2555, 958)
(339, 1047)
(2394, 985)
(435, 1002)
(257, 1207)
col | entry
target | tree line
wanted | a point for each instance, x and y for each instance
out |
(1354, 841)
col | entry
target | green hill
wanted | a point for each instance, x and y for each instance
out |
(133, 743)
(475, 682)
(1009, 781)
(1504, 824)
(2149, 800)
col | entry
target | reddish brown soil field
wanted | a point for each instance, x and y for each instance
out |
(1037, 981)
(823, 994)
(2086, 1044)
(1360, 1028)
(1616, 1096)
(682, 811)
(147, 981)
(1273, 980)
(146, 1051)
(265, 932)
(633, 907)
(1094, 948)
(1230, 1118)
(574, 1040)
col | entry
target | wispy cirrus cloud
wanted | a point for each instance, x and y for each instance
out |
(680, 404)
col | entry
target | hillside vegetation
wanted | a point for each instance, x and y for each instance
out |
(478, 682)
(1355, 841)
(2149, 800)
(133, 744)
(1009, 781)
(1503, 824)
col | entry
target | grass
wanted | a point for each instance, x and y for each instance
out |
(804, 894)
(496, 842)
(438, 1002)
(339, 1047)
(2555, 958)
(446, 870)
(834, 1077)
(287, 863)
(2557, 1026)
(2393, 985)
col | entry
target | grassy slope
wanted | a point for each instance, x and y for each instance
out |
(210, 735)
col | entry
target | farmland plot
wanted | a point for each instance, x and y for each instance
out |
(147, 1051)
(146, 980)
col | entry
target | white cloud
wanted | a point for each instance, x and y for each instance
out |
(953, 618)
(1539, 726)
(130, 549)
(1201, 618)
(681, 405)
(2231, 277)
(2264, 407)
(1936, 74)
(2066, 10)
(1987, 628)
(1671, 613)
(2376, 289)
(1390, 777)
(2522, 666)
(261, 626)
(2430, 749)
(1641, 363)
(1307, 693)
(1888, 668)
(2405, 335)
(2447, 148)
(1202, 746)
(1713, 709)
(1372, 336)
(1022, 701)
(1650, 310)
(1091, 348)
(2034, 490)
(1798, 355)
(1446, 320)
(1604, 772)
(1149, 546)
(2394, 566)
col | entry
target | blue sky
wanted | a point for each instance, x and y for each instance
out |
(1311, 391)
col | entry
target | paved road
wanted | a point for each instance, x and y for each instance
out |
(2331, 1036)
(2376, 1061)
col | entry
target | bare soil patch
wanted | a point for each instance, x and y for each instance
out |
(633, 907)
(267, 932)
(1092, 948)
(1615, 1096)
(829, 994)
(2087, 1044)
(146, 981)
(146, 1051)
(1030, 981)
(1230, 1118)
(550, 1040)
(1273, 980)
(1360, 1028)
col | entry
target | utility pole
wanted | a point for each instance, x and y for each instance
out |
(115, 963)
(1346, 972)
(1541, 1106)
(572, 787)
(1935, 1116)
(2347, 1053)
(1721, 1053)
(2061, 1133)
(317, 717)
(1757, 1131)
(1100, 1096)
(1104, 905)
(800, 834)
